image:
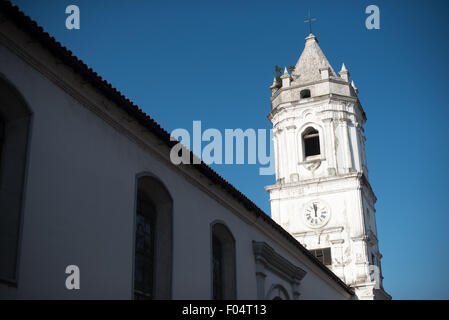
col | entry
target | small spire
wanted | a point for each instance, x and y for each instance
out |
(285, 75)
(274, 87)
(355, 88)
(344, 73)
(285, 78)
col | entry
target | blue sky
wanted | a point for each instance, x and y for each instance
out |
(213, 61)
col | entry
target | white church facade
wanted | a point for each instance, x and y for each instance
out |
(86, 180)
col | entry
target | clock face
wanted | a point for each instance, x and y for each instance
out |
(316, 214)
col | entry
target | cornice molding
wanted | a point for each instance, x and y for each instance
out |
(267, 258)
(321, 232)
(275, 262)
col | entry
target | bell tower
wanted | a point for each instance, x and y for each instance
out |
(322, 195)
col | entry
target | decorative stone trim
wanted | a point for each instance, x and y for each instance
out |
(294, 177)
(360, 238)
(267, 259)
(324, 231)
(312, 165)
(312, 160)
(337, 241)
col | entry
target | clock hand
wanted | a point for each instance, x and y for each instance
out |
(315, 208)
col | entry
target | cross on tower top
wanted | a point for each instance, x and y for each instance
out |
(310, 20)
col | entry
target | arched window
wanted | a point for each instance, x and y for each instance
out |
(305, 94)
(223, 263)
(311, 141)
(14, 130)
(217, 266)
(144, 267)
(153, 240)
